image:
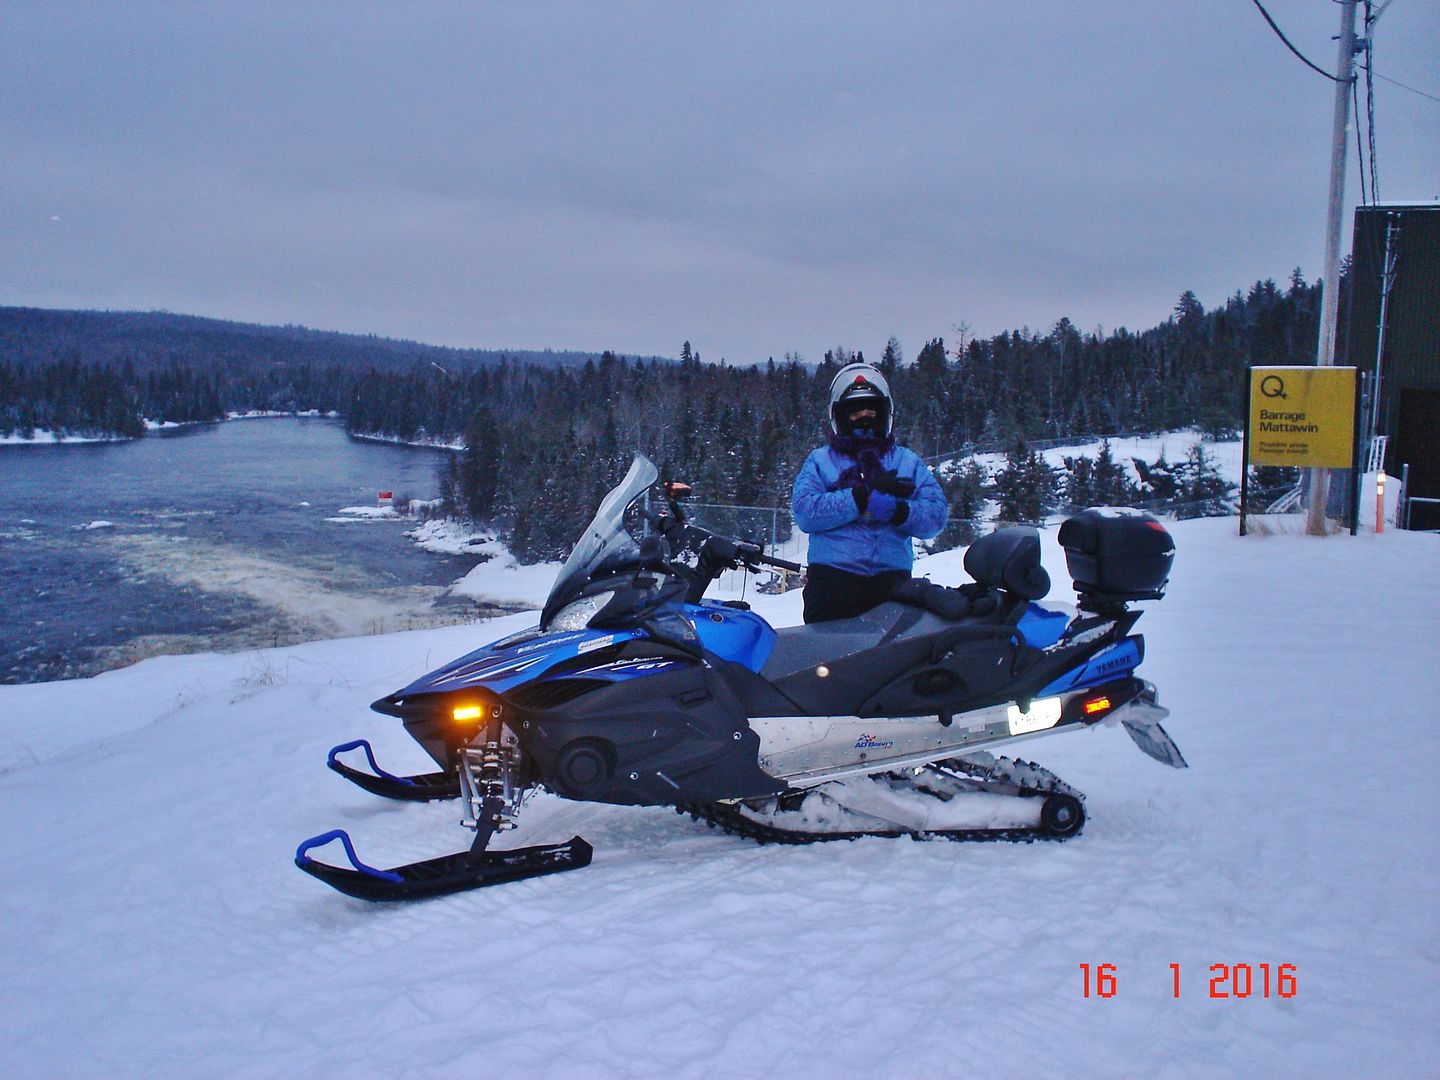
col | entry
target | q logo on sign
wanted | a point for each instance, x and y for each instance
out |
(1273, 386)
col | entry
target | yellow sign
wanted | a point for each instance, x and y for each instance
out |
(1302, 416)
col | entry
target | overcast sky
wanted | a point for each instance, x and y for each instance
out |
(755, 178)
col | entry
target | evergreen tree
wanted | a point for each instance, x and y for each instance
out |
(1158, 481)
(1188, 309)
(1027, 487)
(1079, 483)
(481, 466)
(1201, 490)
(891, 359)
(1111, 484)
(965, 490)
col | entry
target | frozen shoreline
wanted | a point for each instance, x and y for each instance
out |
(45, 437)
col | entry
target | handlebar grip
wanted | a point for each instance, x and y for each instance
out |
(754, 555)
(782, 564)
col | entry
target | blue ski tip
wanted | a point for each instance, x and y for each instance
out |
(302, 859)
(364, 744)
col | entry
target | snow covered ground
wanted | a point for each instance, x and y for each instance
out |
(151, 922)
(44, 437)
(1124, 449)
(498, 578)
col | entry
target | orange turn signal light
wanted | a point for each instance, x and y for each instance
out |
(1096, 705)
(467, 712)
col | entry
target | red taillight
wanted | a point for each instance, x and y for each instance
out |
(1096, 705)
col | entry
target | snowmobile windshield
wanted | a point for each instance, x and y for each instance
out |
(604, 537)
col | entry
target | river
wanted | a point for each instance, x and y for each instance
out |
(213, 537)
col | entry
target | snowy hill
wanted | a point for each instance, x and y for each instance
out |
(151, 922)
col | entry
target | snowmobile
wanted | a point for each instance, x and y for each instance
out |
(635, 689)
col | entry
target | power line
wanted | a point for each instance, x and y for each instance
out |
(1359, 146)
(1281, 35)
(1370, 96)
(1402, 86)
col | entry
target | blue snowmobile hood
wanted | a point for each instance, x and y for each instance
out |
(732, 634)
(513, 661)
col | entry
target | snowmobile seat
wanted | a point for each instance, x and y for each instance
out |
(894, 657)
(798, 648)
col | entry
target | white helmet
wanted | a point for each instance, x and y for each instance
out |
(856, 383)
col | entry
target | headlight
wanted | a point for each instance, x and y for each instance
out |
(577, 614)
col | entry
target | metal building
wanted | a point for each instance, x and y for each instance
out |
(1394, 326)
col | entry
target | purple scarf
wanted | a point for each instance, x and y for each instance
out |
(867, 453)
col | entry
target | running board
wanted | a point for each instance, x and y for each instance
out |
(423, 787)
(441, 876)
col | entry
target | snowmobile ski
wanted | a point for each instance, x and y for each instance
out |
(458, 872)
(423, 787)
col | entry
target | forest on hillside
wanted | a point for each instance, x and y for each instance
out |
(149, 340)
(101, 374)
(543, 441)
(543, 445)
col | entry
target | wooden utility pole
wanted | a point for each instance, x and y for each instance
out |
(1319, 486)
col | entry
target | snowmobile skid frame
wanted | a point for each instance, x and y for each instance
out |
(1061, 807)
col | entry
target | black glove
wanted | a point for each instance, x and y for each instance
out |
(891, 484)
(861, 494)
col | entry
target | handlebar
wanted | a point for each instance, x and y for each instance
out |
(754, 554)
(725, 549)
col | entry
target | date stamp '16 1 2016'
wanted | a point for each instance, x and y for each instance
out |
(1239, 981)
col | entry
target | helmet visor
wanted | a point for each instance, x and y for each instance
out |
(864, 415)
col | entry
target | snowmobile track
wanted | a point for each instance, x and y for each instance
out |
(1001, 775)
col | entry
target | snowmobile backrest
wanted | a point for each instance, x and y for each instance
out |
(1009, 559)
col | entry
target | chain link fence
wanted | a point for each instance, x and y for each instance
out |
(774, 529)
(1002, 446)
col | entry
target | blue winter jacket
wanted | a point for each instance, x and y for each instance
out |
(841, 536)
